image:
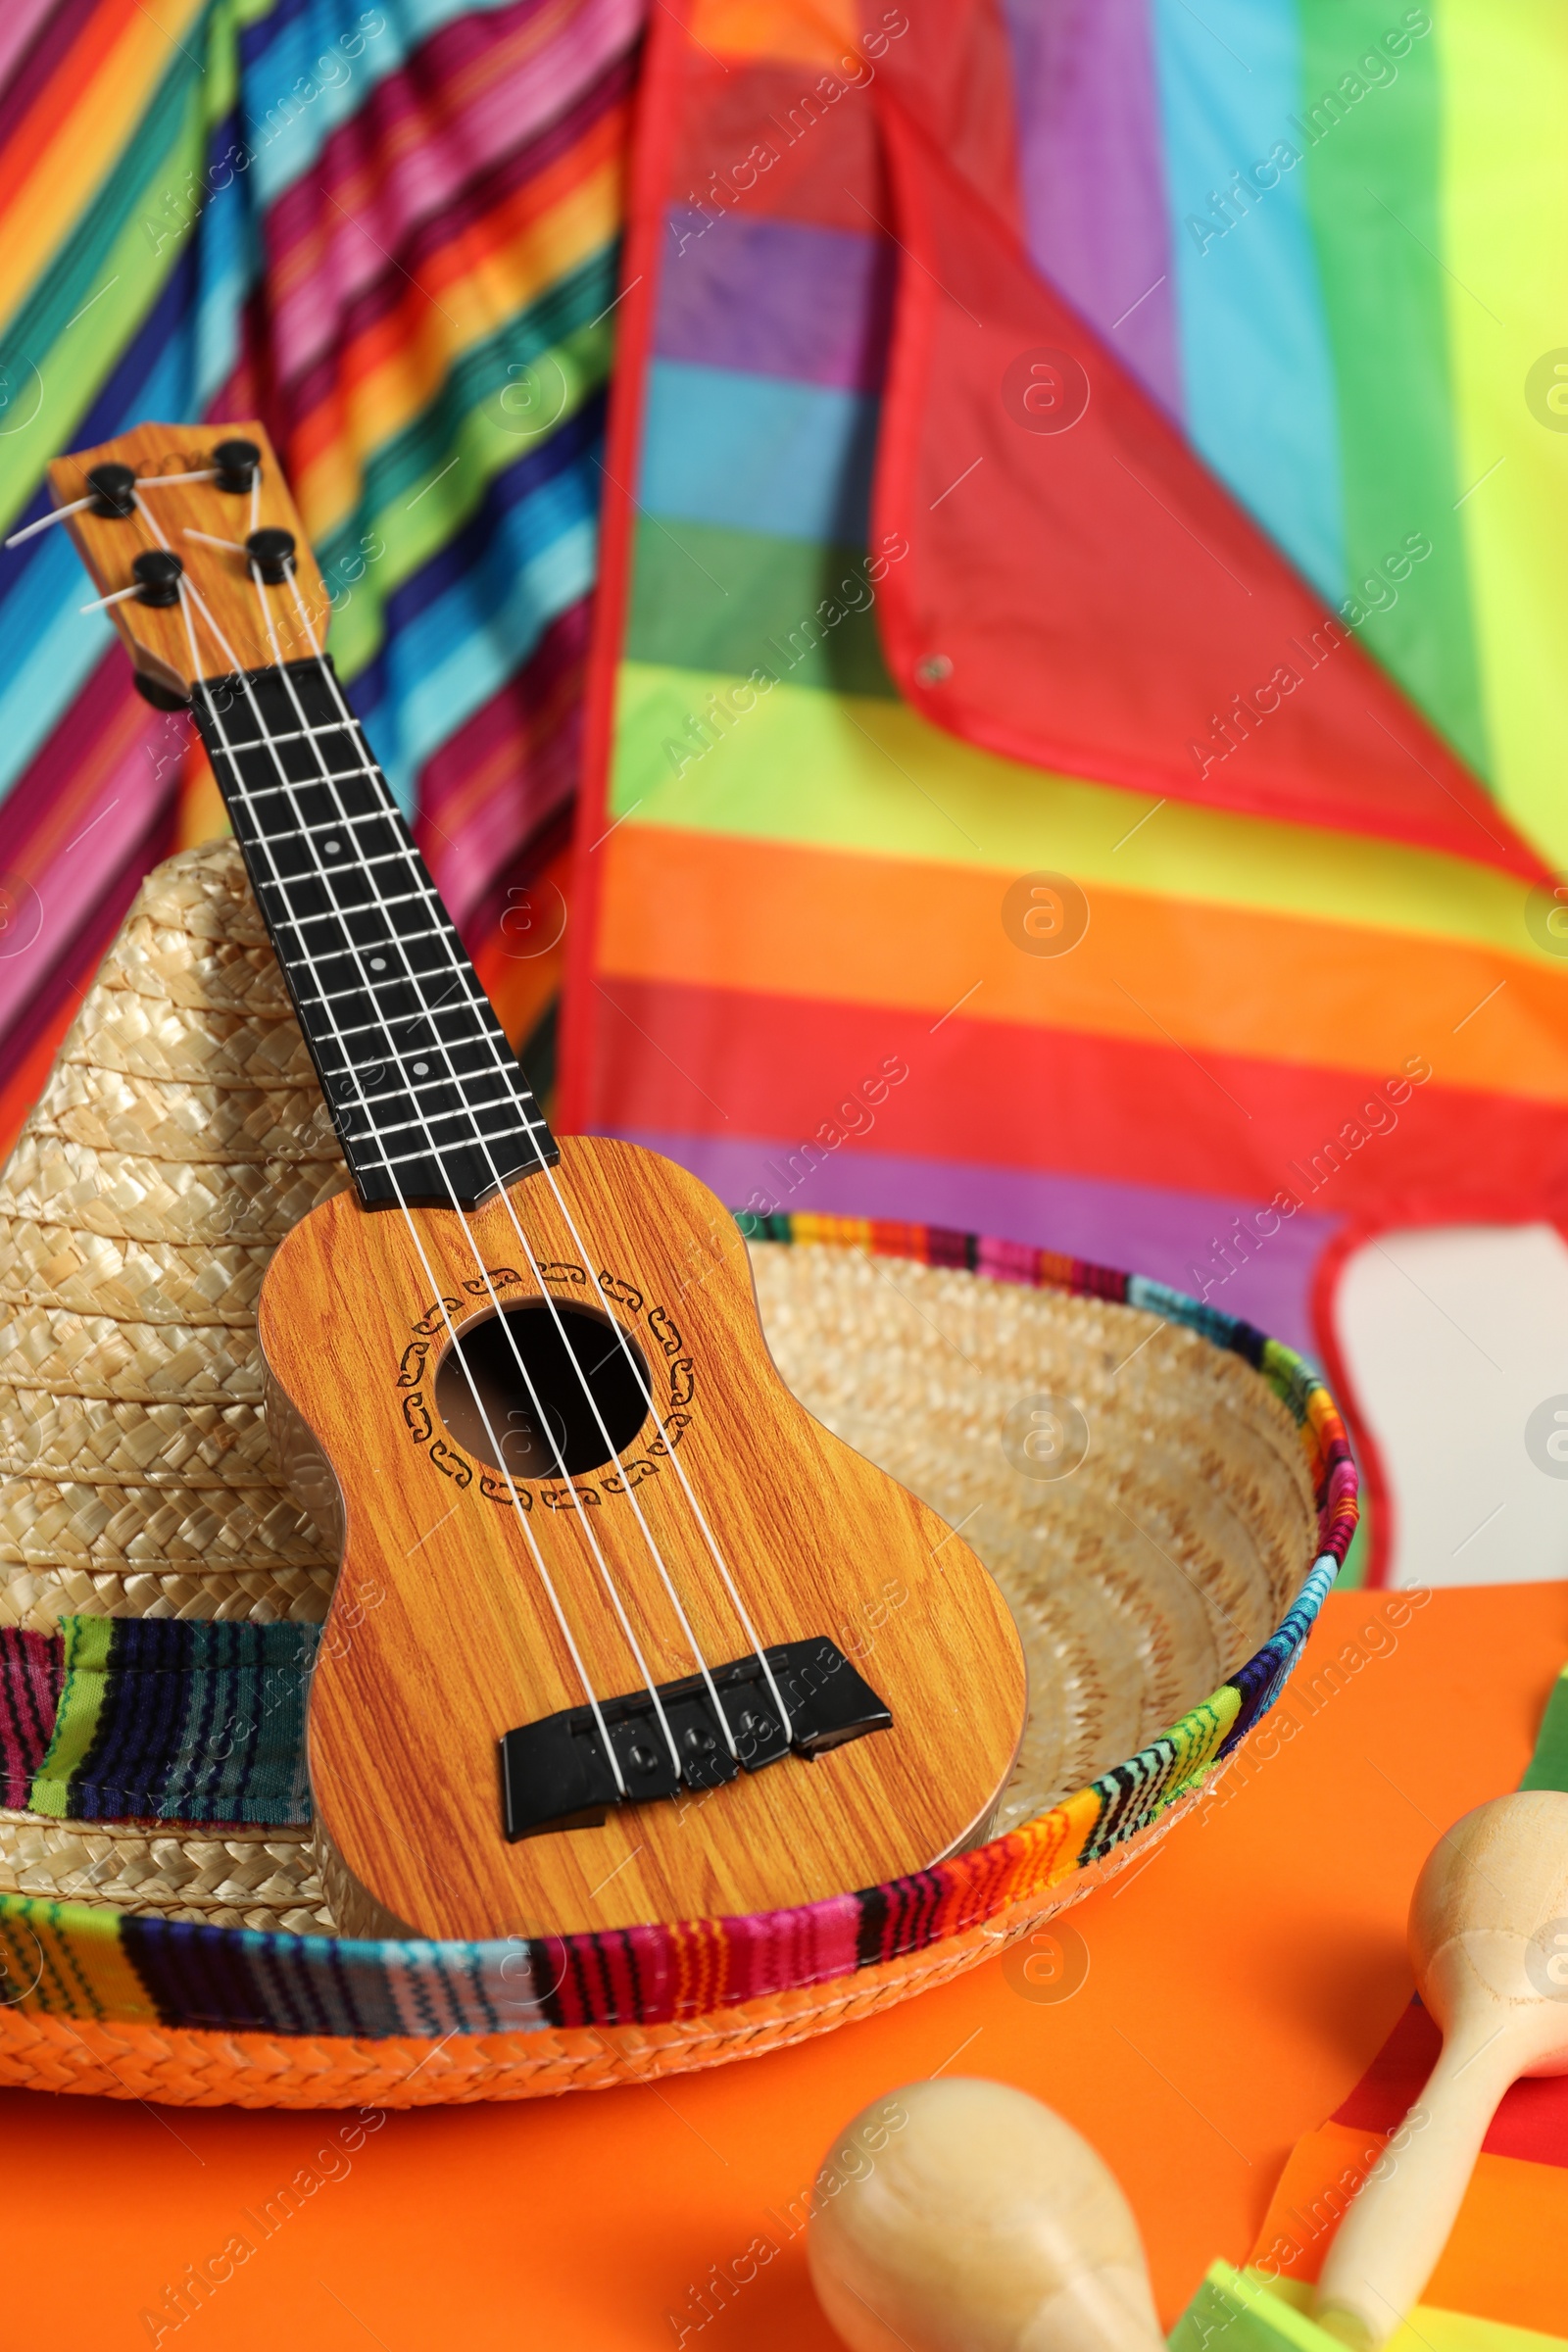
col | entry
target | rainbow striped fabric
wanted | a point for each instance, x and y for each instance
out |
(390, 231)
(1501, 2271)
(1285, 965)
(78, 1961)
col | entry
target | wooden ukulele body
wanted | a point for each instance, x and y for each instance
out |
(441, 1638)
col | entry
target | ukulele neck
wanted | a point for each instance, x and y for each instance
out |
(430, 1102)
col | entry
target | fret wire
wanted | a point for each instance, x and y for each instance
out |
(384, 1131)
(409, 1090)
(431, 1148)
(250, 799)
(343, 996)
(423, 1086)
(253, 806)
(328, 954)
(336, 775)
(404, 898)
(386, 1022)
(356, 865)
(289, 786)
(364, 1028)
(262, 743)
(366, 816)
(287, 783)
(379, 1139)
(320, 994)
(359, 866)
(475, 1143)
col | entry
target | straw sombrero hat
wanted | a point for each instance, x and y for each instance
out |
(1196, 1501)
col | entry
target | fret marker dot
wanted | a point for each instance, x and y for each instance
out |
(419, 1068)
(332, 847)
(378, 963)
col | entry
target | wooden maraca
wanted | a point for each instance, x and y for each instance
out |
(1496, 1978)
(965, 2217)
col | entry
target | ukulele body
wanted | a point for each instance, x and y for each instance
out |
(542, 1466)
(442, 1636)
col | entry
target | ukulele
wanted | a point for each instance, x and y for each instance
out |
(620, 1633)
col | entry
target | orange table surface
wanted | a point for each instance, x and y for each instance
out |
(1239, 1983)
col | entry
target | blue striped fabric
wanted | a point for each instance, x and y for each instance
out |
(1257, 377)
(758, 453)
(167, 1720)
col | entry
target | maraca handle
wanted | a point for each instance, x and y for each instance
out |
(1387, 2247)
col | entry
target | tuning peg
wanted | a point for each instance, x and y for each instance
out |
(236, 463)
(113, 490)
(158, 572)
(272, 550)
(964, 2215)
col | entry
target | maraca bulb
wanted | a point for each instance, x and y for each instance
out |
(1486, 1892)
(979, 2222)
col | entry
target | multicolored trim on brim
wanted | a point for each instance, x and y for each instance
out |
(71, 1961)
(163, 1720)
(31, 1670)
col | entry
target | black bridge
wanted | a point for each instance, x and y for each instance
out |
(556, 1774)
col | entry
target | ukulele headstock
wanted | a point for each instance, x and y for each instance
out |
(176, 490)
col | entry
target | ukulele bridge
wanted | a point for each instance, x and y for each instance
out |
(556, 1775)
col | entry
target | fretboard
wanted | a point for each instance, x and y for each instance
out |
(430, 1100)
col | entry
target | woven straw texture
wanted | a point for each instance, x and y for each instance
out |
(1138, 1582)
(179, 1137)
(1167, 1581)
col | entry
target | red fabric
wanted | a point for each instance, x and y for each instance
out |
(949, 71)
(1532, 2122)
(1092, 599)
(716, 110)
(1073, 1104)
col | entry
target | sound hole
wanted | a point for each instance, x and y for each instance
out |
(563, 1370)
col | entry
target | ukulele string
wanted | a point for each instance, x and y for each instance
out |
(672, 1453)
(671, 1450)
(188, 593)
(638, 1374)
(578, 1504)
(150, 520)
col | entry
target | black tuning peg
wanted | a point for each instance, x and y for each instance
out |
(113, 490)
(272, 550)
(158, 574)
(236, 463)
